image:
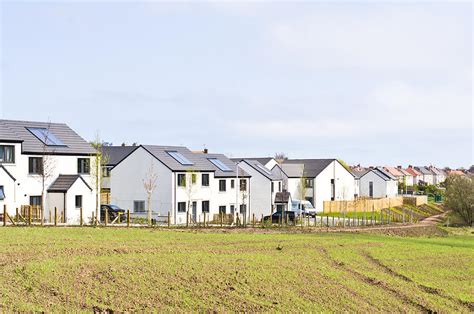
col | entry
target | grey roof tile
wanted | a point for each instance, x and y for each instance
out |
(312, 167)
(115, 154)
(64, 182)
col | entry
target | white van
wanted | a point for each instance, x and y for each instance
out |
(304, 208)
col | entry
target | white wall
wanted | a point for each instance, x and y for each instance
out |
(30, 185)
(261, 197)
(382, 188)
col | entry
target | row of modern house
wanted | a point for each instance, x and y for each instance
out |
(50, 165)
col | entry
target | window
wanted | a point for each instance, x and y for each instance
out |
(219, 164)
(180, 158)
(78, 201)
(83, 165)
(138, 206)
(181, 207)
(232, 209)
(333, 190)
(243, 209)
(273, 187)
(308, 183)
(181, 179)
(279, 186)
(243, 185)
(7, 154)
(193, 178)
(106, 171)
(221, 209)
(205, 179)
(232, 184)
(46, 136)
(35, 200)
(222, 186)
(35, 165)
(2, 193)
(205, 206)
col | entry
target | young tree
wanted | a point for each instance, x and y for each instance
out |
(99, 161)
(149, 183)
(243, 195)
(46, 168)
(303, 185)
(190, 184)
(460, 196)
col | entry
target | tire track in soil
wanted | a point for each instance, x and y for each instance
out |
(375, 282)
(434, 291)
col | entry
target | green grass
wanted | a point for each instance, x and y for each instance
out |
(84, 269)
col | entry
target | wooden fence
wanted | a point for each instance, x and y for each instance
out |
(361, 205)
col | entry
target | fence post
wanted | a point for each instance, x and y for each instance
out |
(128, 218)
(222, 219)
(204, 219)
(17, 217)
(106, 220)
(5, 215)
(55, 216)
(187, 219)
(169, 219)
(29, 215)
(81, 220)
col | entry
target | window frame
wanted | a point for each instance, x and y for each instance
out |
(83, 168)
(222, 188)
(178, 207)
(181, 180)
(205, 182)
(35, 168)
(36, 197)
(135, 207)
(243, 184)
(222, 209)
(78, 204)
(203, 209)
(3, 149)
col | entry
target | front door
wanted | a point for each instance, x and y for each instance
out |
(195, 211)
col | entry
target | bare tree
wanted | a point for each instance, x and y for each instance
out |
(303, 185)
(47, 166)
(149, 183)
(190, 185)
(280, 157)
(243, 194)
(100, 160)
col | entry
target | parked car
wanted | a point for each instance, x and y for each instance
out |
(112, 211)
(280, 216)
(303, 208)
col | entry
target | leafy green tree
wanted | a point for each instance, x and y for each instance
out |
(460, 196)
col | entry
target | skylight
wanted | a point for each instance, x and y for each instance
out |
(46, 136)
(180, 158)
(219, 164)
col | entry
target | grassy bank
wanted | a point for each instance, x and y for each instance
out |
(70, 269)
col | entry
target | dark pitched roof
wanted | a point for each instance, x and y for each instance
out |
(384, 175)
(260, 168)
(64, 182)
(17, 130)
(7, 172)
(226, 161)
(282, 197)
(312, 167)
(262, 160)
(359, 172)
(424, 170)
(116, 154)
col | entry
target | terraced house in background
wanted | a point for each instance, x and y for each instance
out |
(196, 182)
(46, 164)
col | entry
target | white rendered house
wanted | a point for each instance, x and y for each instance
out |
(377, 183)
(200, 184)
(33, 153)
(325, 180)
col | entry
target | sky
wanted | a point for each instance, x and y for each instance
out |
(367, 82)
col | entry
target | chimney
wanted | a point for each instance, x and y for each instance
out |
(205, 151)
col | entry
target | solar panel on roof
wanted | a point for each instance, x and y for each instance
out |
(219, 164)
(46, 136)
(180, 158)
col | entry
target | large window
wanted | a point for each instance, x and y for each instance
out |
(2, 193)
(7, 154)
(222, 186)
(181, 207)
(333, 190)
(35, 165)
(138, 206)
(309, 183)
(221, 209)
(181, 179)
(232, 183)
(35, 200)
(243, 185)
(243, 209)
(205, 206)
(83, 165)
(279, 186)
(205, 179)
(78, 201)
(273, 187)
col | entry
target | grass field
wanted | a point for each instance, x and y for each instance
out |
(84, 269)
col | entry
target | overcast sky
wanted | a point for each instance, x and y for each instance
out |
(375, 84)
